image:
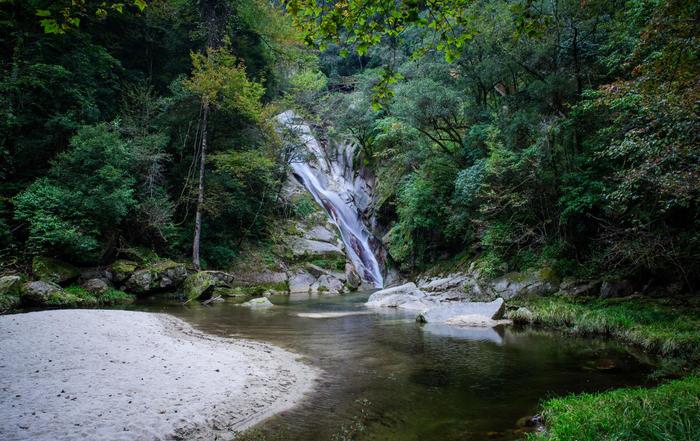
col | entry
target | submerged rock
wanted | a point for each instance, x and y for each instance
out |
(261, 302)
(52, 270)
(452, 311)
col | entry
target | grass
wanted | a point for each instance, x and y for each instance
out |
(667, 327)
(670, 412)
(79, 296)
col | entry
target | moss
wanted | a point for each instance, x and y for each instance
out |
(322, 289)
(335, 263)
(53, 270)
(547, 274)
(124, 266)
(667, 412)
(198, 284)
(79, 296)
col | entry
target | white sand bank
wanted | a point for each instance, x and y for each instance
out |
(122, 375)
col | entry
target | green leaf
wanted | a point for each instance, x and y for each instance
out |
(43, 13)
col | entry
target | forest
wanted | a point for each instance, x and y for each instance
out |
(498, 138)
(559, 132)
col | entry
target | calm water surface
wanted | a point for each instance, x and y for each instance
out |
(406, 381)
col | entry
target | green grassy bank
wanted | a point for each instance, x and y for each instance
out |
(669, 328)
(670, 412)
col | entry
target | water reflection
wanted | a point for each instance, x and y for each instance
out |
(424, 382)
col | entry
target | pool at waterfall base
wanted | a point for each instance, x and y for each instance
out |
(387, 377)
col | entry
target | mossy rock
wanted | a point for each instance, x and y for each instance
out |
(122, 269)
(198, 285)
(52, 270)
(42, 293)
(164, 275)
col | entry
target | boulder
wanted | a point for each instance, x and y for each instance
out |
(445, 312)
(222, 278)
(304, 248)
(475, 320)
(317, 271)
(541, 282)
(580, 288)
(620, 288)
(122, 269)
(96, 286)
(10, 290)
(395, 296)
(420, 305)
(260, 302)
(327, 284)
(160, 276)
(450, 282)
(199, 285)
(352, 279)
(41, 293)
(321, 233)
(52, 270)
(300, 281)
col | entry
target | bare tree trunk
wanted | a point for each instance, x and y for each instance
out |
(200, 191)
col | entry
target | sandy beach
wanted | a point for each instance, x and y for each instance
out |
(122, 375)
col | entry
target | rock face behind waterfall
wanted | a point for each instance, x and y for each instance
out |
(346, 195)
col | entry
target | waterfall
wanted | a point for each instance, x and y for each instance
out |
(331, 183)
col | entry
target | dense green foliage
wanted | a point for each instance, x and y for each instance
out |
(559, 132)
(667, 412)
(100, 123)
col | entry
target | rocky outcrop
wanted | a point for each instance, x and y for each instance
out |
(160, 276)
(537, 283)
(308, 248)
(52, 270)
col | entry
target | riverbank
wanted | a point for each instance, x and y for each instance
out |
(96, 374)
(667, 328)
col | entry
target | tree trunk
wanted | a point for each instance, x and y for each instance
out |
(200, 190)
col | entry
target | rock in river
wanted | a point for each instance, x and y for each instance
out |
(462, 312)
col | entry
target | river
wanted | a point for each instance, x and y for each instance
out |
(396, 379)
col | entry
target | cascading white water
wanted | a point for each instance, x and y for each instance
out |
(330, 182)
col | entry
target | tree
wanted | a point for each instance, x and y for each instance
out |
(88, 191)
(220, 81)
